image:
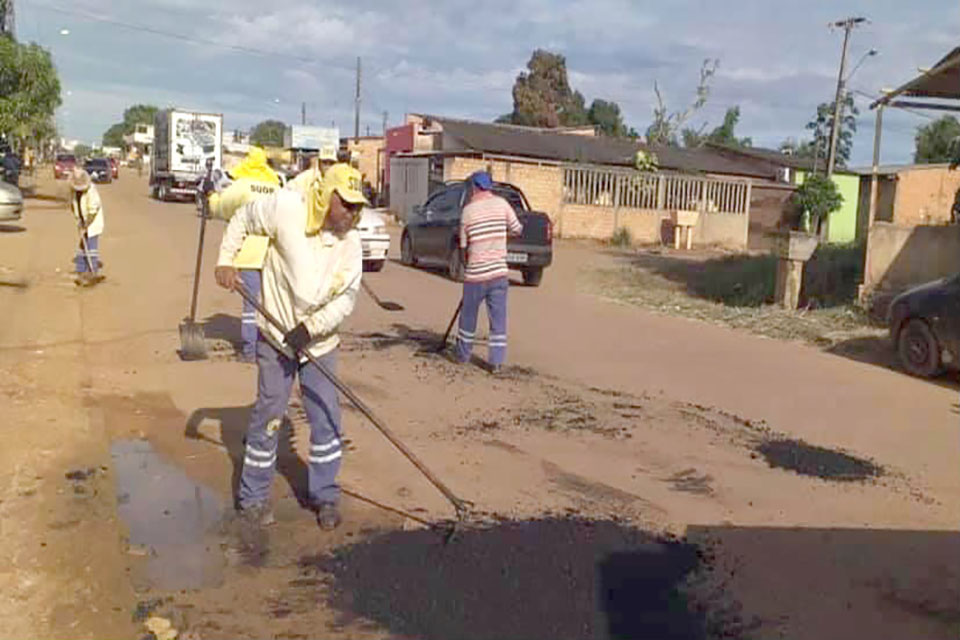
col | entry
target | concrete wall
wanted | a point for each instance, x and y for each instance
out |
(899, 256)
(770, 212)
(730, 230)
(408, 185)
(925, 195)
(369, 152)
(842, 226)
(541, 183)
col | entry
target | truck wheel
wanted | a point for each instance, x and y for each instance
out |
(455, 264)
(406, 251)
(918, 349)
(532, 276)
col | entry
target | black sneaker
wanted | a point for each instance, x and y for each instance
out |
(328, 516)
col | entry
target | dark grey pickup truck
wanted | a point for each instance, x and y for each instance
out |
(431, 235)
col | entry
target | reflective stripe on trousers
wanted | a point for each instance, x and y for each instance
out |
(494, 293)
(248, 316)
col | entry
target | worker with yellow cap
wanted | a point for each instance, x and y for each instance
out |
(249, 180)
(311, 275)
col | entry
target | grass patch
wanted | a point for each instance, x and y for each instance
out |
(737, 291)
(621, 238)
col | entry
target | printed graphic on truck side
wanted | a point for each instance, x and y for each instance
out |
(195, 139)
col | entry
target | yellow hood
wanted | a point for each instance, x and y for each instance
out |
(255, 167)
(343, 179)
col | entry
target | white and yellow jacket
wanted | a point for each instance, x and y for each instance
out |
(91, 208)
(312, 279)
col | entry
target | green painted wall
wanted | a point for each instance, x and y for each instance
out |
(843, 223)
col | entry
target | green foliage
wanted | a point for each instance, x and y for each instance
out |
(82, 152)
(29, 91)
(132, 116)
(621, 237)
(646, 161)
(542, 96)
(816, 199)
(606, 115)
(667, 127)
(268, 133)
(822, 125)
(935, 141)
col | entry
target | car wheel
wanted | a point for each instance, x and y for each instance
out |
(455, 264)
(373, 265)
(406, 251)
(532, 276)
(162, 193)
(918, 349)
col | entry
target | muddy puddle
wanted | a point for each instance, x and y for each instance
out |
(545, 578)
(172, 521)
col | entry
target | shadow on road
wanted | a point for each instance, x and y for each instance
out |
(11, 228)
(441, 273)
(879, 352)
(221, 326)
(233, 423)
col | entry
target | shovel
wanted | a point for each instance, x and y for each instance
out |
(443, 343)
(193, 345)
(95, 275)
(460, 506)
(386, 305)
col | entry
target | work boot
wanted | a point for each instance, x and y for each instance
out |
(260, 515)
(496, 370)
(328, 516)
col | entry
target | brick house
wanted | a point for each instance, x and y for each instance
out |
(587, 184)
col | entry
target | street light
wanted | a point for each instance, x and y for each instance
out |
(64, 32)
(863, 59)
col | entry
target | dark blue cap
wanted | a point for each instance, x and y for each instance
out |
(481, 180)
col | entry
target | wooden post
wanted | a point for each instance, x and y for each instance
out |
(789, 279)
(872, 213)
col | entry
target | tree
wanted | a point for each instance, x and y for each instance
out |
(667, 125)
(132, 116)
(934, 141)
(268, 133)
(723, 134)
(29, 91)
(82, 151)
(816, 199)
(113, 137)
(822, 125)
(606, 116)
(542, 96)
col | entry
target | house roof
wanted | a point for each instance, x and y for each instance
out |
(772, 156)
(938, 82)
(549, 145)
(893, 169)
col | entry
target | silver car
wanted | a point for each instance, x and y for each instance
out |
(11, 202)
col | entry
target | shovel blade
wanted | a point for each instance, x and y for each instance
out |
(193, 345)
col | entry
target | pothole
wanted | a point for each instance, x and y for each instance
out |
(811, 460)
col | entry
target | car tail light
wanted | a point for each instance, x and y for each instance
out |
(549, 230)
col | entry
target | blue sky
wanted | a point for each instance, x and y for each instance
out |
(778, 58)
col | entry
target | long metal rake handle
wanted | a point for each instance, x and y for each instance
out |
(459, 505)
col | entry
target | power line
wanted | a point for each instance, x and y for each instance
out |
(873, 97)
(181, 36)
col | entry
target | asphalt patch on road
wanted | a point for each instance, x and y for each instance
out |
(811, 460)
(545, 578)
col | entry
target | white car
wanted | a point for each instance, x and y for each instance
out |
(375, 240)
(11, 202)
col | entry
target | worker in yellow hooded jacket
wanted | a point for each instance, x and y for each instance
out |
(250, 180)
(311, 277)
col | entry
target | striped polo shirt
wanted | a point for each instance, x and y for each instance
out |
(483, 232)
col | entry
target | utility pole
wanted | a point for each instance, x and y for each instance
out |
(848, 26)
(356, 108)
(384, 124)
(303, 113)
(8, 23)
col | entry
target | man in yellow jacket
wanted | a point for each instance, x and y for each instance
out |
(248, 181)
(311, 275)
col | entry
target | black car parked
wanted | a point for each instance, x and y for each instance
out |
(432, 234)
(925, 327)
(99, 169)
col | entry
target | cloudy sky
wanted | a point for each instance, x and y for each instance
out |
(253, 60)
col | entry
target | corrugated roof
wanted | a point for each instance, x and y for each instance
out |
(938, 82)
(892, 169)
(539, 143)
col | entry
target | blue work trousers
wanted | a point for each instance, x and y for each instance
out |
(93, 253)
(248, 316)
(494, 293)
(322, 406)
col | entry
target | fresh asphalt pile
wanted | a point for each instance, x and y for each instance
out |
(811, 460)
(546, 578)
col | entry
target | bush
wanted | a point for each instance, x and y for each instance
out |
(622, 238)
(818, 197)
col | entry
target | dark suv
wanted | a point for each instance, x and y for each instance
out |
(432, 234)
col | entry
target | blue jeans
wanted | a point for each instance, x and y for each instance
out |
(93, 252)
(248, 316)
(322, 405)
(494, 293)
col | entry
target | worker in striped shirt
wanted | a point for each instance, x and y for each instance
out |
(486, 221)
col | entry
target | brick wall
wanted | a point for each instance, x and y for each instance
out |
(542, 184)
(925, 195)
(368, 150)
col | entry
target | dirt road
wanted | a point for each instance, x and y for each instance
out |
(607, 412)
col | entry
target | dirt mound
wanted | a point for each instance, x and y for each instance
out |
(548, 578)
(810, 460)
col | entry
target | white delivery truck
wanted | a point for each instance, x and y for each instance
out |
(184, 141)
